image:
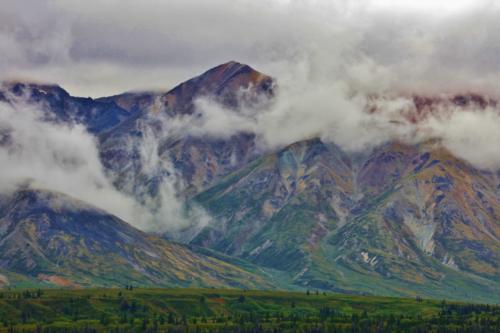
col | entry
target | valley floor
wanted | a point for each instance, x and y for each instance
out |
(212, 310)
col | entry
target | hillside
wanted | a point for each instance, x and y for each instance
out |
(399, 219)
(51, 239)
(402, 220)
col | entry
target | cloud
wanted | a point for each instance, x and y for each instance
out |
(64, 157)
(57, 157)
(355, 121)
(97, 47)
(472, 135)
(157, 186)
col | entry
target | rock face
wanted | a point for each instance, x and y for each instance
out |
(51, 238)
(229, 83)
(398, 219)
(57, 105)
(198, 160)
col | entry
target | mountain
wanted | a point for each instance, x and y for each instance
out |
(200, 161)
(57, 104)
(122, 122)
(399, 220)
(50, 238)
(229, 83)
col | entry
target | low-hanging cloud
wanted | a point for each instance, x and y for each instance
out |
(164, 203)
(473, 135)
(56, 157)
(355, 121)
(64, 157)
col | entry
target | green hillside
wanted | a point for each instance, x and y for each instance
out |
(48, 239)
(400, 221)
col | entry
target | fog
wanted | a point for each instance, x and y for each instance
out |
(55, 157)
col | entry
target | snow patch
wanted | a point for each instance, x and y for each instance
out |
(261, 248)
(449, 261)
(423, 230)
(301, 273)
(372, 261)
(4, 281)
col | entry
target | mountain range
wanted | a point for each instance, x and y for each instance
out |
(397, 219)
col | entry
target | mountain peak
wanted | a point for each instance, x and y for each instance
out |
(224, 82)
(234, 69)
(231, 63)
(19, 88)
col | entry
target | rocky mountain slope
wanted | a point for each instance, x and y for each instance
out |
(59, 106)
(144, 151)
(50, 238)
(399, 219)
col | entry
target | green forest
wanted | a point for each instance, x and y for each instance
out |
(132, 309)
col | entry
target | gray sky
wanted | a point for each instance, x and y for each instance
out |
(96, 48)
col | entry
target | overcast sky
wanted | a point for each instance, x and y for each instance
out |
(96, 48)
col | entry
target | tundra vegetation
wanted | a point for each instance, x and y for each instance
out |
(132, 309)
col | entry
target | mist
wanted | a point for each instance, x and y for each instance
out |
(39, 153)
(165, 204)
(56, 157)
(336, 112)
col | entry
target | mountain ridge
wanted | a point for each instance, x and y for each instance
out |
(55, 239)
(400, 219)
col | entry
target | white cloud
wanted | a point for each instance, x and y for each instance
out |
(472, 135)
(37, 150)
(356, 121)
(105, 47)
(166, 209)
(56, 157)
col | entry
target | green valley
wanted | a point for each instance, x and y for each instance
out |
(231, 310)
